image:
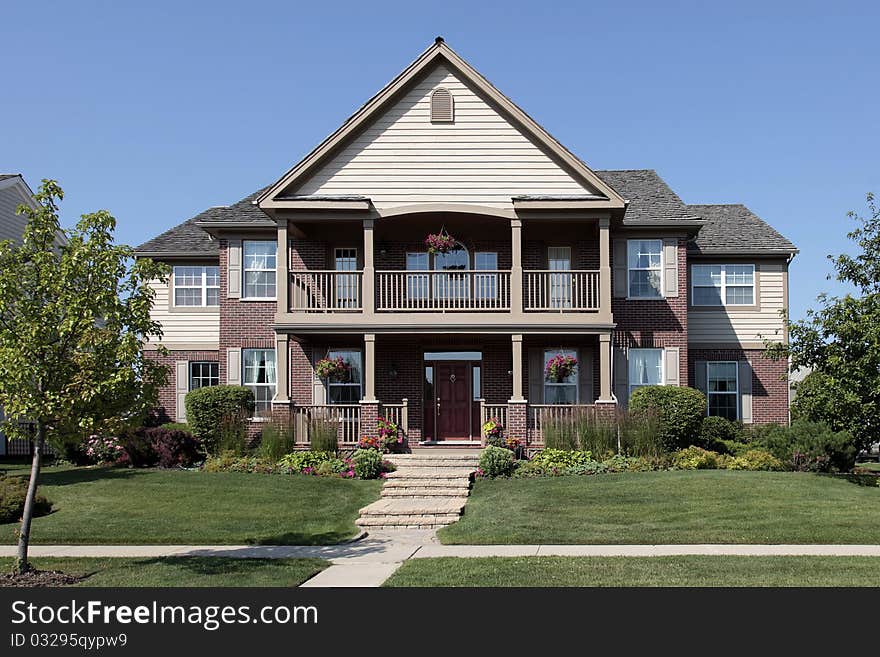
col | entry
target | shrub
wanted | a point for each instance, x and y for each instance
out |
(733, 447)
(680, 411)
(808, 445)
(560, 458)
(13, 491)
(639, 434)
(300, 461)
(695, 458)
(390, 435)
(233, 434)
(323, 435)
(231, 462)
(176, 426)
(529, 469)
(714, 431)
(497, 461)
(276, 440)
(206, 409)
(756, 459)
(367, 463)
(103, 449)
(139, 449)
(173, 448)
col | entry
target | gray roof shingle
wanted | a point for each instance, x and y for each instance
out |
(733, 228)
(650, 198)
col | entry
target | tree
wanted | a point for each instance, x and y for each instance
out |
(840, 342)
(73, 322)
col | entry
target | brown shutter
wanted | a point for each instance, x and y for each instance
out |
(621, 376)
(233, 366)
(536, 375)
(585, 377)
(181, 387)
(670, 366)
(233, 269)
(745, 392)
(670, 267)
(619, 265)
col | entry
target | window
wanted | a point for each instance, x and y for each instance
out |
(722, 385)
(261, 377)
(346, 284)
(645, 268)
(451, 286)
(566, 391)
(203, 374)
(559, 259)
(723, 285)
(441, 106)
(259, 269)
(417, 284)
(196, 286)
(486, 285)
(476, 374)
(349, 391)
(645, 368)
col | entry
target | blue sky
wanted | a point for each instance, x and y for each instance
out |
(158, 110)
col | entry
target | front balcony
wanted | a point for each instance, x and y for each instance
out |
(543, 291)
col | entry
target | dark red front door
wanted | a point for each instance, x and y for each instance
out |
(453, 391)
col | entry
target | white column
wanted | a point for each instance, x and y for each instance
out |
(516, 341)
(369, 286)
(516, 269)
(369, 367)
(604, 265)
(282, 371)
(282, 263)
(605, 367)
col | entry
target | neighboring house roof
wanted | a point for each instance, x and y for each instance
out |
(733, 229)
(650, 198)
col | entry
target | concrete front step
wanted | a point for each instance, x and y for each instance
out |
(425, 491)
(430, 473)
(435, 463)
(406, 522)
(420, 506)
(458, 483)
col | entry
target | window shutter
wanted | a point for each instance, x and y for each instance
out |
(536, 376)
(585, 377)
(619, 264)
(233, 366)
(233, 269)
(621, 377)
(319, 391)
(181, 368)
(670, 367)
(670, 267)
(441, 106)
(700, 376)
(745, 392)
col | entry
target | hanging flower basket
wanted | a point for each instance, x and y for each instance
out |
(560, 367)
(441, 242)
(333, 369)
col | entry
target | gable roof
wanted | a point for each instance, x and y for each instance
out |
(436, 54)
(734, 229)
(650, 199)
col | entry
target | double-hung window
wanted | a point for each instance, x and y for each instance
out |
(348, 391)
(203, 374)
(486, 285)
(645, 368)
(196, 286)
(559, 260)
(645, 269)
(261, 377)
(723, 285)
(566, 391)
(722, 388)
(260, 258)
(347, 293)
(417, 285)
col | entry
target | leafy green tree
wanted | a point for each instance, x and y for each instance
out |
(73, 321)
(840, 342)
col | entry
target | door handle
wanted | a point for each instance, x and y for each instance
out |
(438, 406)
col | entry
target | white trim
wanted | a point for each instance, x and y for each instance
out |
(245, 384)
(723, 287)
(735, 393)
(359, 384)
(577, 374)
(245, 270)
(659, 270)
(629, 383)
(203, 287)
(189, 379)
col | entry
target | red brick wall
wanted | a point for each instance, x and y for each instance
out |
(166, 411)
(769, 380)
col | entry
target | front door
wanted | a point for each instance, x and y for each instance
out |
(453, 402)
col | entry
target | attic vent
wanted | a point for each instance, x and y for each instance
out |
(441, 106)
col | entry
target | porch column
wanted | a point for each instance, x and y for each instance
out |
(605, 368)
(282, 263)
(282, 373)
(605, 265)
(369, 367)
(516, 340)
(516, 269)
(368, 288)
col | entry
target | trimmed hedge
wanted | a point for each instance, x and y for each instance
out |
(13, 491)
(207, 408)
(680, 411)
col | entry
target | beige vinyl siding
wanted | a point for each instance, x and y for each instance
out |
(11, 224)
(479, 158)
(733, 325)
(189, 328)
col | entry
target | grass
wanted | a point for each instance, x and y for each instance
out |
(704, 506)
(182, 571)
(638, 571)
(127, 506)
(873, 466)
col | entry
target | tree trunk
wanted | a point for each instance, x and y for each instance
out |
(21, 564)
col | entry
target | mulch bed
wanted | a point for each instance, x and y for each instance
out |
(38, 578)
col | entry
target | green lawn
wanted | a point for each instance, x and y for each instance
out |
(703, 506)
(182, 571)
(638, 571)
(122, 506)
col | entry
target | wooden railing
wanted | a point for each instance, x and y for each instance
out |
(345, 417)
(446, 291)
(397, 413)
(326, 291)
(488, 411)
(560, 291)
(538, 415)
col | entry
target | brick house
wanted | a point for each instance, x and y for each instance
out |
(549, 257)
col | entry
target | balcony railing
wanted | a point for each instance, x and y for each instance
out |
(560, 291)
(326, 291)
(446, 291)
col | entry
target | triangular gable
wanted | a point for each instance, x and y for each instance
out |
(392, 153)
